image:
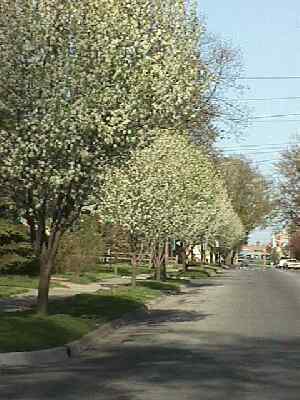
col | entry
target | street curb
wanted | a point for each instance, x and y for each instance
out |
(72, 349)
(95, 337)
(75, 348)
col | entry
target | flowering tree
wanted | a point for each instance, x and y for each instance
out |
(219, 223)
(289, 186)
(81, 84)
(249, 191)
(226, 226)
(166, 190)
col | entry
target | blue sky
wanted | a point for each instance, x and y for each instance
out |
(268, 34)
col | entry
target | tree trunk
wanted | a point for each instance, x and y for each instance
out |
(134, 258)
(134, 270)
(159, 260)
(163, 270)
(152, 256)
(47, 257)
(233, 256)
(212, 258)
(44, 284)
(218, 258)
(203, 258)
(165, 261)
(167, 252)
(228, 258)
(157, 268)
(184, 259)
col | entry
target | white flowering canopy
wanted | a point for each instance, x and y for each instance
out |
(167, 190)
(81, 83)
(226, 226)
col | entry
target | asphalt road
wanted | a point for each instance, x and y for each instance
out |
(235, 337)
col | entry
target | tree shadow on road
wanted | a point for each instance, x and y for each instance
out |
(204, 283)
(165, 316)
(192, 365)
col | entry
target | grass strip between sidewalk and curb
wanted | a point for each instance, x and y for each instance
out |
(71, 318)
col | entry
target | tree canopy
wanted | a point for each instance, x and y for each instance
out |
(81, 84)
(171, 189)
(248, 190)
(84, 87)
(289, 185)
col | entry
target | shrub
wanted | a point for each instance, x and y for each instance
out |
(15, 264)
(80, 249)
(16, 255)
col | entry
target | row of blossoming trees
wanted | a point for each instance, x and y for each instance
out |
(170, 189)
(96, 86)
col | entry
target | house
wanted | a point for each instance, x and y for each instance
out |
(255, 251)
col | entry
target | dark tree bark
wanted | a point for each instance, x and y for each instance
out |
(44, 285)
(47, 256)
(228, 258)
(134, 259)
(165, 260)
(157, 269)
(203, 253)
(133, 240)
(159, 258)
(184, 259)
(167, 251)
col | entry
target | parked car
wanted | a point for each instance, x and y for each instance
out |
(292, 263)
(282, 262)
(243, 262)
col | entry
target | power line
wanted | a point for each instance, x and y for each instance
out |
(275, 116)
(272, 116)
(259, 145)
(267, 145)
(246, 152)
(255, 161)
(243, 152)
(278, 120)
(253, 150)
(263, 99)
(265, 161)
(268, 77)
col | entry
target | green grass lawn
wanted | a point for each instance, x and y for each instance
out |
(71, 318)
(11, 285)
(22, 281)
(195, 274)
(211, 268)
(84, 278)
(7, 292)
(25, 331)
(101, 272)
(202, 271)
(124, 269)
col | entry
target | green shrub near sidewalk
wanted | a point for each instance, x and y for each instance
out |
(16, 255)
